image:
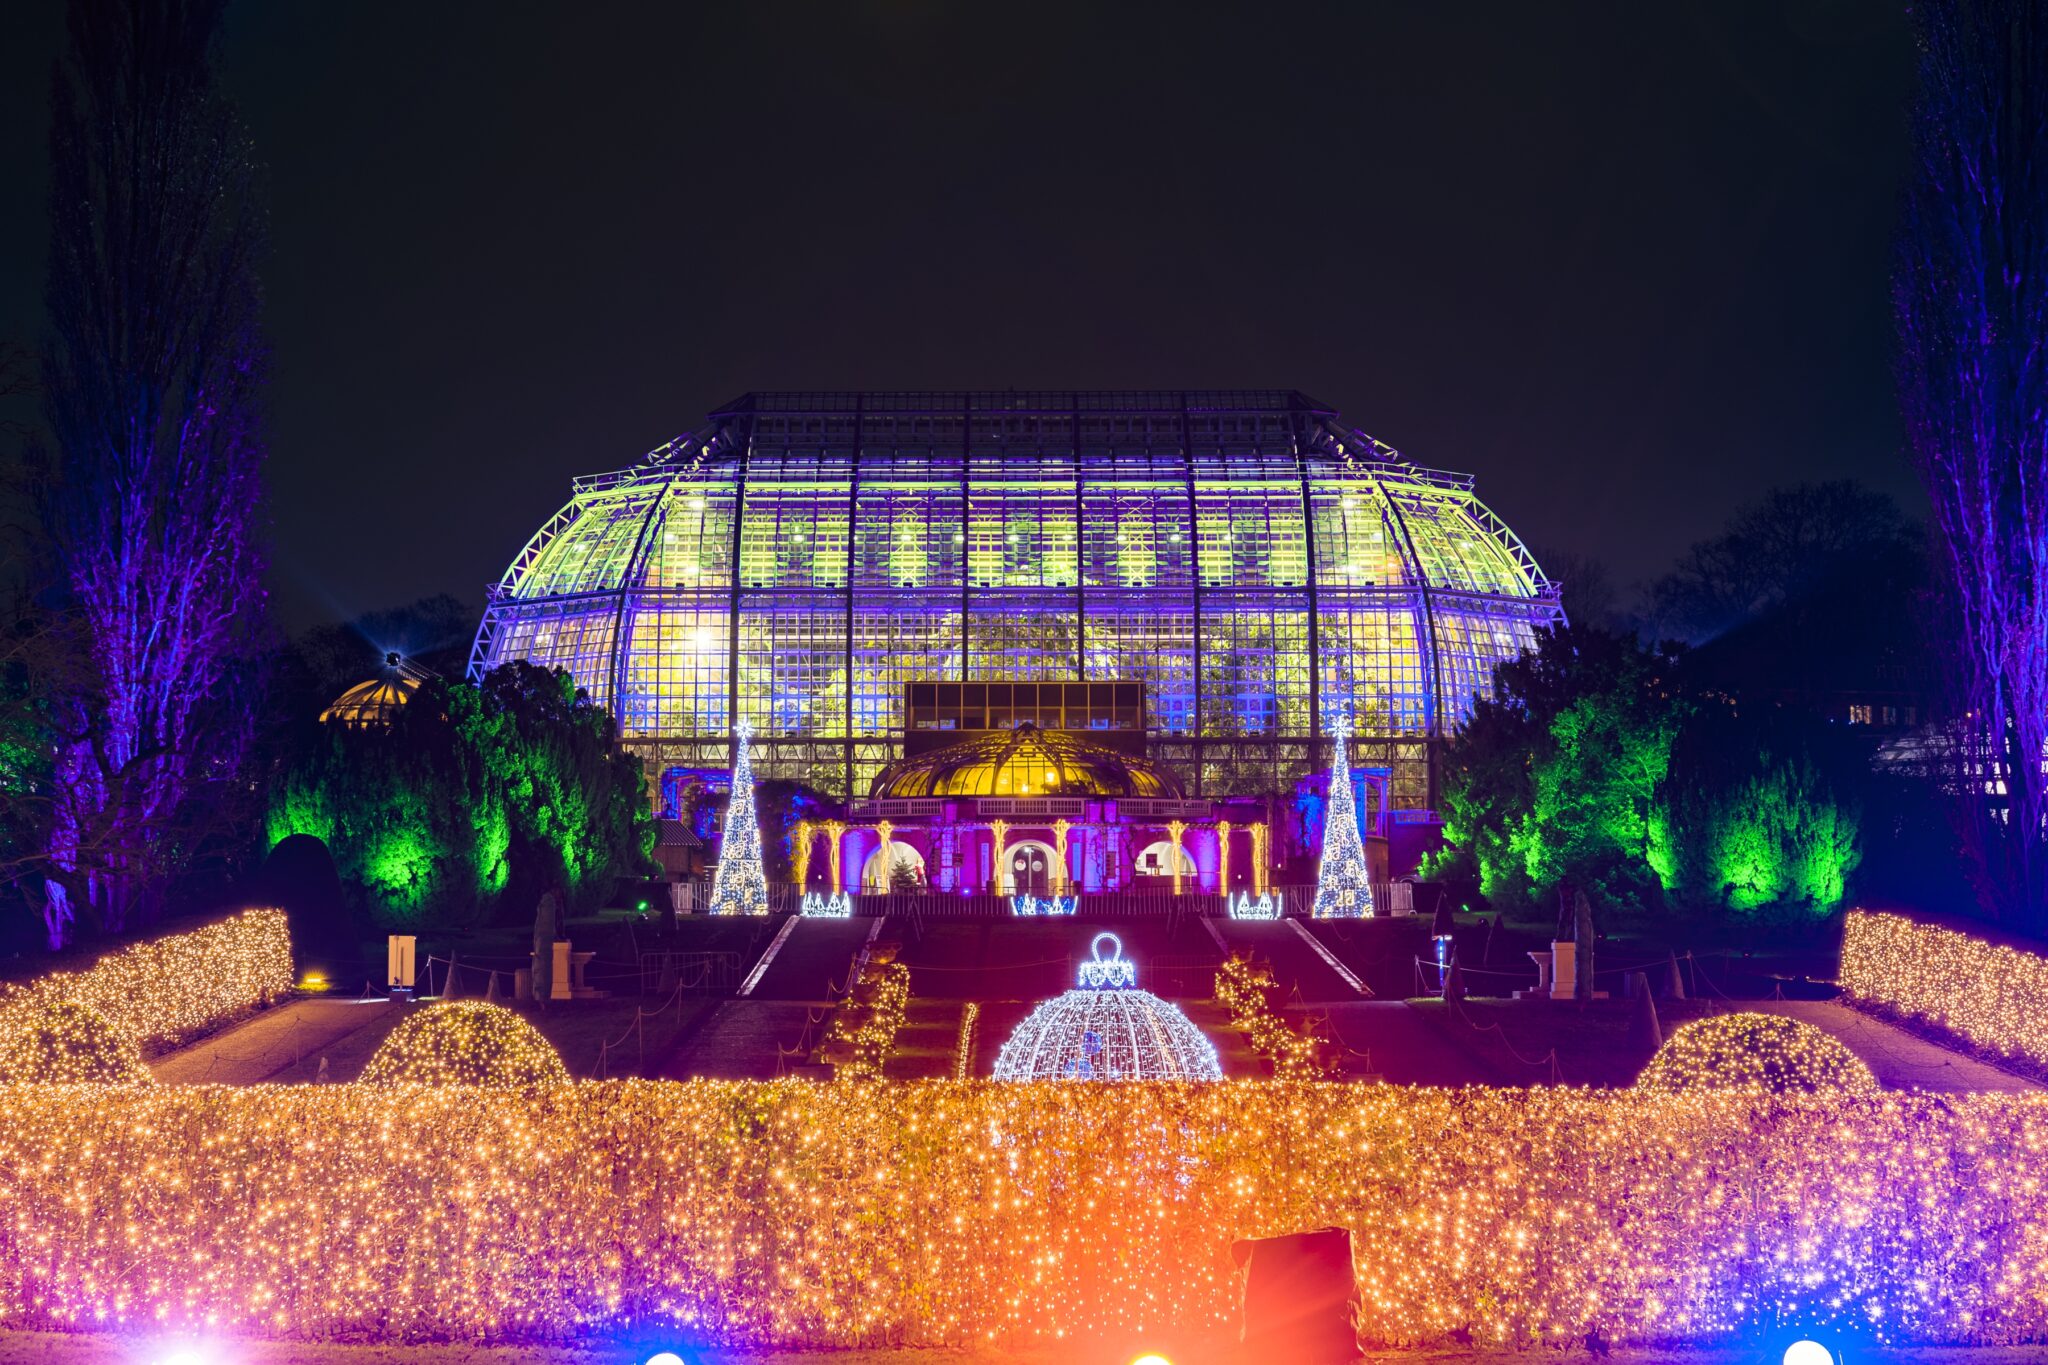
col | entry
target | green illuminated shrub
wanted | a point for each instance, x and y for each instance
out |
(474, 803)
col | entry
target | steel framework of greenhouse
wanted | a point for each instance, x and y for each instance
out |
(799, 560)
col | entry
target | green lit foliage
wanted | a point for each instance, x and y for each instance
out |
(476, 801)
(1554, 778)
(1591, 768)
(1758, 821)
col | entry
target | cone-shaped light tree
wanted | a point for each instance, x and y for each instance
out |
(740, 885)
(1343, 883)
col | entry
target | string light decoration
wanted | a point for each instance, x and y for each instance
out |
(963, 1052)
(1344, 880)
(1269, 905)
(864, 1027)
(65, 1043)
(1106, 1029)
(1759, 1052)
(164, 991)
(1986, 993)
(1032, 907)
(466, 1042)
(739, 884)
(1242, 987)
(838, 905)
(747, 1215)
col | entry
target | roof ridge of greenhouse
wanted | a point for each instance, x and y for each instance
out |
(1020, 401)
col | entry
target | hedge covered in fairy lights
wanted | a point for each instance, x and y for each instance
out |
(59, 1041)
(1755, 1052)
(1987, 993)
(748, 1213)
(466, 1042)
(169, 989)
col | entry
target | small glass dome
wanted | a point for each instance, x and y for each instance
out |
(374, 704)
(1106, 1029)
(1026, 761)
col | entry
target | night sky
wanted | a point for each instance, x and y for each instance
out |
(1625, 263)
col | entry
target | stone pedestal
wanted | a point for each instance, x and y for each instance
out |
(560, 978)
(1564, 970)
(398, 956)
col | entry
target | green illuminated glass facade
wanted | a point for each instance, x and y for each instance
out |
(1256, 564)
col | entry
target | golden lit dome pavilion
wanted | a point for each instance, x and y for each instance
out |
(374, 704)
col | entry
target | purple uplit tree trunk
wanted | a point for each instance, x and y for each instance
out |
(152, 376)
(1971, 297)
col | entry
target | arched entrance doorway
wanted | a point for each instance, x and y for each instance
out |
(1157, 860)
(1030, 868)
(904, 871)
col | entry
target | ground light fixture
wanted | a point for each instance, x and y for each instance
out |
(1151, 1358)
(666, 1358)
(1807, 1351)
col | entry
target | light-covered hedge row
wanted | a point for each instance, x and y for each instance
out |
(1993, 995)
(838, 1214)
(168, 989)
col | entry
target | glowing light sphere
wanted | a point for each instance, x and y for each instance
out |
(1808, 1352)
(1151, 1358)
(1106, 1029)
(63, 1042)
(665, 1358)
(467, 1042)
(1760, 1052)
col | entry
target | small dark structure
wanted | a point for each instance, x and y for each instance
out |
(1300, 1297)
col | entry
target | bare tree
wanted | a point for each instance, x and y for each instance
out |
(151, 379)
(1971, 298)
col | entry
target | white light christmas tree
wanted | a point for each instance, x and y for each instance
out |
(740, 885)
(1343, 883)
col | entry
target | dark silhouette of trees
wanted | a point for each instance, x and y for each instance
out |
(1970, 295)
(151, 379)
(1775, 549)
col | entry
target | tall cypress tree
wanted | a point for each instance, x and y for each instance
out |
(153, 371)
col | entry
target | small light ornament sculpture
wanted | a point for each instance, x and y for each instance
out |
(1031, 907)
(1106, 1029)
(740, 884)
(1343, 883)
(838, 905)
(1269, 905)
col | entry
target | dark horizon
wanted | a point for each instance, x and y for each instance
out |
(1629, 273)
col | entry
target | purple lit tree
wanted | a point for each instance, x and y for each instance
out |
(1971, 298)
(151, 380)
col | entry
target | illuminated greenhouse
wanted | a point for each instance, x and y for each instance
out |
(1254, 565)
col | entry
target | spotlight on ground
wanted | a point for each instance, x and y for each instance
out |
(1151, 1358)
(1807, 1351)
(666, 1358)
(188, 1355)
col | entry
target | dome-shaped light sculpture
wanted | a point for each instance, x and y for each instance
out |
(1106, 1029)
